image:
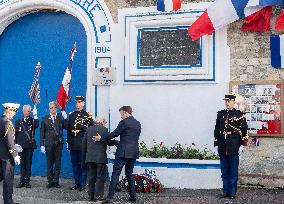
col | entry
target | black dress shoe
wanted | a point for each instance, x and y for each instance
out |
(28, 185)
(50, 185)
(224, 196)
(107, 201)
(81, 188)
(20, 185)
(56, 185)
(74, 187)
(99, 199)
(132, 200)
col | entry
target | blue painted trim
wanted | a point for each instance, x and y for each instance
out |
(96, 100)
(165, 66)
(174, 165)
(91, 19)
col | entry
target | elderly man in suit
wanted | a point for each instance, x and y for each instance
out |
(95, 158)
(127, 152)
(24, 136)
(8, 151)
(51, 141)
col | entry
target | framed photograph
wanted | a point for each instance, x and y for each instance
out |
(262, 102)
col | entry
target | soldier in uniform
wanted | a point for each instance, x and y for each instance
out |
(78, 123)
(8, 151)
(230, 133)
(51, 141)
(24, 135)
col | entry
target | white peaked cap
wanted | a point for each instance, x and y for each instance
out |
(11, 105)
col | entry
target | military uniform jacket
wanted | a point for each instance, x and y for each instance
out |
(129, 130)
(230, 129)
(24, 132)
(7, 139)
(78, 123)
(96, 151)
(51, 133)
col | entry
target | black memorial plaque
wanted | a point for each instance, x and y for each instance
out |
(168, 47)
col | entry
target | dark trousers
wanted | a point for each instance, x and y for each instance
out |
(229, 170)
(79, 174)
(53, 154)
(119, 162)
(7, 174)
(96, 179)
(26, 164)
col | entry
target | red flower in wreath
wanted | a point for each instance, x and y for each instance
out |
(146, 190)
(138, 190)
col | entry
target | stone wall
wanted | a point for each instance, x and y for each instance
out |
(250, 60)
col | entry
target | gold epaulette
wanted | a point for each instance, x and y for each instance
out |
(12, 150)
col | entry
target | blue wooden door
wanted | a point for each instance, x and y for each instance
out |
(45, 37)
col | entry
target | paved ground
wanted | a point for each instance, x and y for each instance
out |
(39, 194)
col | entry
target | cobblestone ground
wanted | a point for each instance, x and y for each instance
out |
(39, 194)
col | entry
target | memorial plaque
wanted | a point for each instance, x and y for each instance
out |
(168, 47)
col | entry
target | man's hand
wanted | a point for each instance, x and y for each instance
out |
(42, 149)
(17, 160)
(18, 148)
(97, 137)
(64, 114)
(35, 113)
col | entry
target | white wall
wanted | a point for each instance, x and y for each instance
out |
(171, 113)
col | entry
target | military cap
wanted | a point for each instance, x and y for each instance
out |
(79, 98)
(12, 106)
(231, 97)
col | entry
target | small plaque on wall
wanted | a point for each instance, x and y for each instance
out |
(160, 47)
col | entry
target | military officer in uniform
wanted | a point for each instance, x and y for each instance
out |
(231, 131)
(8, 151)
(78, 123)
(24, 136)
(51, 141)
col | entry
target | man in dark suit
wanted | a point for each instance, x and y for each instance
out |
(51, 141)
(231, 131)
(8, 152)
(127, 152)
(95, 158)
(24, 136)
(78, 123)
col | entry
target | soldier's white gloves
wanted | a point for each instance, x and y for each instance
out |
(64, 114)
(216, 149)
(18, 148)
(241, 149)
(17, 160)
(42, 149)
(35, 112)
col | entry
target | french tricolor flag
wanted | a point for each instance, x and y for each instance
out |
(223, 12)
(168, 5)
(277, 50)
(64, 91)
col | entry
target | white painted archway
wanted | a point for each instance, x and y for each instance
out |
(94, 16)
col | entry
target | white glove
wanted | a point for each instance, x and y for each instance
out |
(241, 150)
(64, 114)
(35, 112)
(42, 149)
(17, 160)
(216, 149)
(18, 148)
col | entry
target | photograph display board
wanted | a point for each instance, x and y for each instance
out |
(262, 103)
